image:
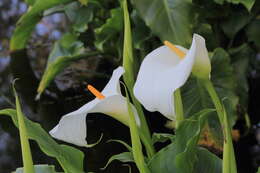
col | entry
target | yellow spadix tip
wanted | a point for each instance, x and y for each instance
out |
(95, 92)
(180, 53)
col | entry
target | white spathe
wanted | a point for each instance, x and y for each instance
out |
(72, 127)
(202, 66)
(163, 71)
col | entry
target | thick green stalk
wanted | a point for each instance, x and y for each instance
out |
(178, 107)
(148, 145)
(26, 151)
(214, 97)
(144, 130)
(136, 142)
(129, 65)
(229, 162)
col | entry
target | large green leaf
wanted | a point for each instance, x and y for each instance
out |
(196, 98)
(39, 169)
(183, 155)
(68, 45)
(71, 159)
(240, 58)
(113, 25)
(235, 22)
(163, 161)
(207, 162)
(65, 51)
(187, 136)
(169, 19)
(247, 3)
(141, 32)
(79, 15)
(27, 22)
(253, 33)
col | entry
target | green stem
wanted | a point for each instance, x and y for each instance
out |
(214, 97)
(135, 139)
(129, 64)
(148, 145)
(229, 162)
(178, 107)
(26, 151)
(145, 132)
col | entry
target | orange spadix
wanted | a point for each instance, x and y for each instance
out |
(95, 92)
(180, 53)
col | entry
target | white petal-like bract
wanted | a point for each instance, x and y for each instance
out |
(72, 127)
(202, 66)
(161, 73)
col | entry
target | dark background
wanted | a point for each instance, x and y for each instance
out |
(70, 93)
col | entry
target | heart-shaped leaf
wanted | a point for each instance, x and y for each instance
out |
(183, 155)
(169, 19)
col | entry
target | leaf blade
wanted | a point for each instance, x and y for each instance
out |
(70, 159)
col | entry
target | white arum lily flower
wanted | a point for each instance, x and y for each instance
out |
(166, 69)
(72, 127)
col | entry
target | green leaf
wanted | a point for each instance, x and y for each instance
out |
(196, 98)
(65, 51)
(183, 155)
(187, 136)
(235, 22)
(162, 137)
(70, 159)
(208, 162)
(240, 57)
(83, 2)
(253, 33)
(141, 32)
(112, 26)
(68, 45)
(79, 15)
(122, 157)
(247, 3)
(169, 19)
(26, 151)
(30, 2)
(163, 161)
(28, 21)
(39, 169)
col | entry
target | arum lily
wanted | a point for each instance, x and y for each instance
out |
(72, 127)
(165, 70)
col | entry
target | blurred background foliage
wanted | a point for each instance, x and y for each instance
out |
(58, 47)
